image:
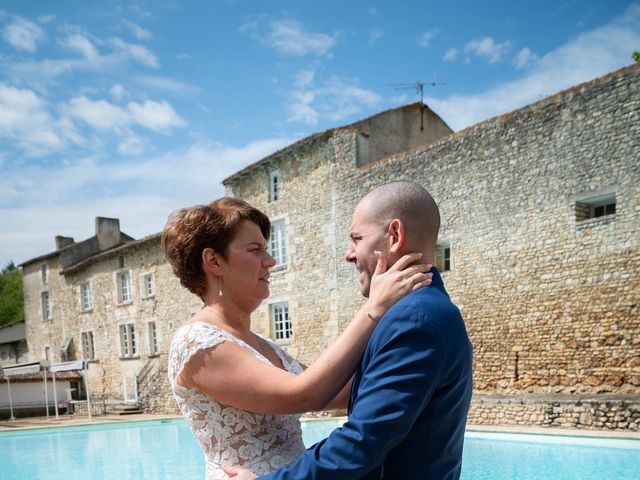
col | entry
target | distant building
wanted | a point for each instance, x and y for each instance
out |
(13, 344)
(538, 247)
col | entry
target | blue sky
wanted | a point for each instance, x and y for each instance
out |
(134, 110)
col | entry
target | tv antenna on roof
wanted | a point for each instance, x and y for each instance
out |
(419, 88)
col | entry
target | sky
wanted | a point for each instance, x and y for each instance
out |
(132, 110)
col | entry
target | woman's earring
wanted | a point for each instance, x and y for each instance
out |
(220, 289)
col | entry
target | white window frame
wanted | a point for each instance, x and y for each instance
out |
(128, 340)
(44, 273)
(280, 322)
(148, 285)
(152, 337)
(443, 256)
(275, 180)
(125, 296)
(45, 304)
(86, 298)
(88, 345)
(278, 243)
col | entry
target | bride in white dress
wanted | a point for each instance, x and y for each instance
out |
(240, 393)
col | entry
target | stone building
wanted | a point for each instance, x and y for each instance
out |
(538, 247)
(114, 302)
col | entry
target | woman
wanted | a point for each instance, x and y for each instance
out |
(241, 393)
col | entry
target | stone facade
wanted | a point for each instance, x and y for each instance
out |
(550, 295)
(115, 375)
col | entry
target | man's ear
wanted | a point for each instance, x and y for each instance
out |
(211, 262)
(397, 236)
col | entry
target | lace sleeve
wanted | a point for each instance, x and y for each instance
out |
(187, 341)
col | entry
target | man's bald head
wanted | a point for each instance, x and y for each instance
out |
(412, 205)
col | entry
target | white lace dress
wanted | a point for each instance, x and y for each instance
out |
(227, 435)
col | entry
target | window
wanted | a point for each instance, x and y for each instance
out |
(128, 347)
(47, 353)
(281, 325)
(124, 287)
(595, 205)
(274, 186)
(278, 243)
(46, 306)
(153, 338)
(87, 345)
(44, 274)
(85, 296)
(443, 256)
(148, 285)
(120, 261)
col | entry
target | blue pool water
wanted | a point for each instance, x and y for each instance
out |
(167, 450)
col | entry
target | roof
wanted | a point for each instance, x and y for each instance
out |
(110, 252)
(313, 137)
(38, 377)
(13, 333)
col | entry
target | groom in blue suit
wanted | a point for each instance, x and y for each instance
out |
(411, 393)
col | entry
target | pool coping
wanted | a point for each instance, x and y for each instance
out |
(23, 424)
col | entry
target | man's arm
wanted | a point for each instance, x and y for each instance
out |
(398, 381)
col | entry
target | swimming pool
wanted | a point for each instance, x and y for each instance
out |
(166, 450)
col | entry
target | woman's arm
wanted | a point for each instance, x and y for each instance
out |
(235, 377)
(341, 400)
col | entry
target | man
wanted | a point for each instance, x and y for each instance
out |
(411, 392)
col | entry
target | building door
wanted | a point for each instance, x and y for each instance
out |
(130, 387)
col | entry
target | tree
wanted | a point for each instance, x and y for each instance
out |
(636, 56)
(11, 297)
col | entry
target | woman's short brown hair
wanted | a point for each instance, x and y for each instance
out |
(189, 231)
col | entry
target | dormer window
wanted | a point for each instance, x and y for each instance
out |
(274, 186)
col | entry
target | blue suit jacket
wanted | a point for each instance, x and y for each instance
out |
(409, 399)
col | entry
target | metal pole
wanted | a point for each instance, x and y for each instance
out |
(55, 395)
(86, 388)
(46, 393)
(10, 402)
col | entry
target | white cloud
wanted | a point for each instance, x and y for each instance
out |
(41, 202)
(82, 45)
(102, 115)
(23, 35)
(587, 56)
(524, 58)
(156, 116)
(26, 121)
(375, 35)
(45, 19)
(137, 52)
(118, 92)
(166, 84)
(289, 37)
(425, 38)
(487, 48)
(450, 55)
(334, 100)
(137, 31)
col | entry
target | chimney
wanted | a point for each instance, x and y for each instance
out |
(62, 242)
(107, 232)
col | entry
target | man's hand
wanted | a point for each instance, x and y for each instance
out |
(238, 473)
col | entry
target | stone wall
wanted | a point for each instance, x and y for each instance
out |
(607, 412)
